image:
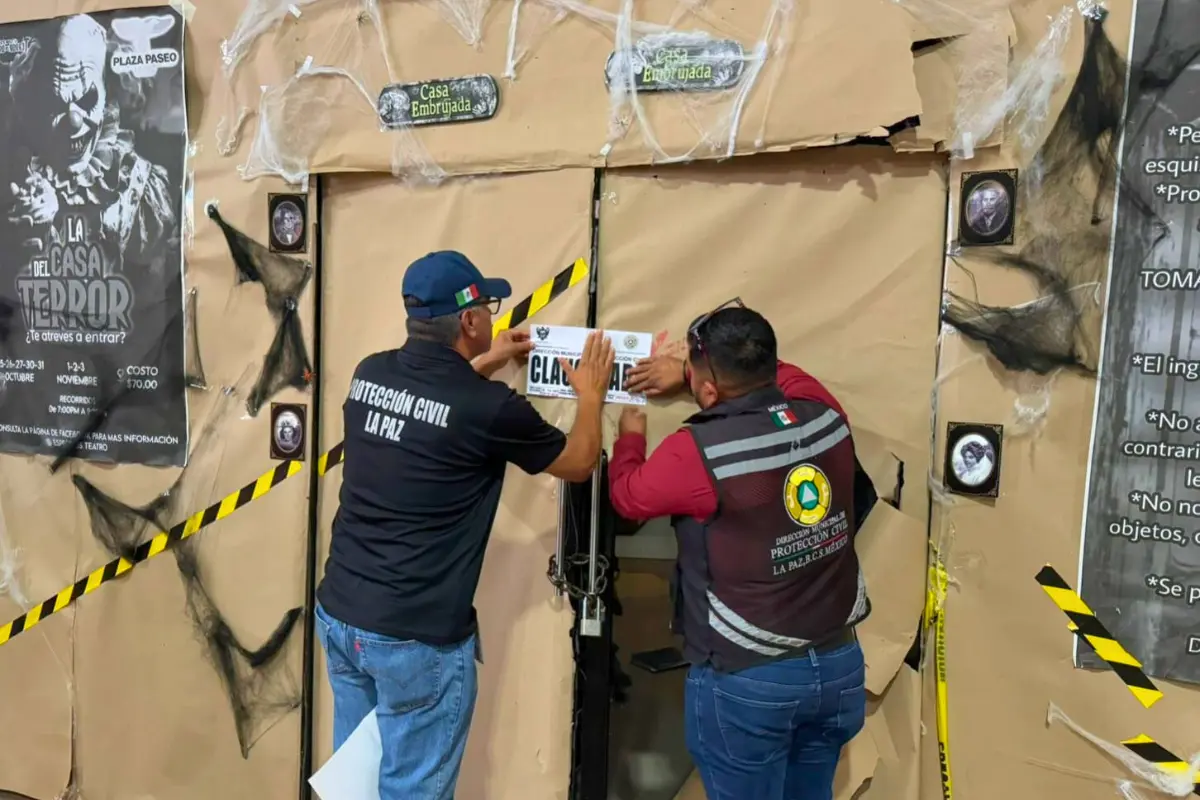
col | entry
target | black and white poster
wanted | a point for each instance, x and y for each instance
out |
(1140, 563)
(93, 138)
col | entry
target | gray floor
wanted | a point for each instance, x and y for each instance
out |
(648, 756)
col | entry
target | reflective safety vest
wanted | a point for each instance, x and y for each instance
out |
(774, 570)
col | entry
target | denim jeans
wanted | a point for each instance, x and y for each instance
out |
(775, 731)
(423, 697)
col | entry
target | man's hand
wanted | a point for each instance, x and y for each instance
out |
(655, 376)
(590, 378)
(508, 345)
(633, 420)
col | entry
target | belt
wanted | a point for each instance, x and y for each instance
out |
(832, 642)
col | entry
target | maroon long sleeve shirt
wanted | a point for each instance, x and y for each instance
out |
(673, 481)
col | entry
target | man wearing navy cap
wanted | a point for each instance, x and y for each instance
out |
(428, 437)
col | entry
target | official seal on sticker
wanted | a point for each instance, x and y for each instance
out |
(807, 495)
(542, 332)
(630, 342)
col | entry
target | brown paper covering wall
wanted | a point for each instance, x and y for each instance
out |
(841, 249)
(847, 71)
(152, 718)
(525, 228)
(1008, 649)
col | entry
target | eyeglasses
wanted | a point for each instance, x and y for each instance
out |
(695, 334)
(490, 303)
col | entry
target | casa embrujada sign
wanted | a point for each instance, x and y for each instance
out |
(663, 66)
(439, 102)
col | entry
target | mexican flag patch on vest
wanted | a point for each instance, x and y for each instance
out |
(783, 418)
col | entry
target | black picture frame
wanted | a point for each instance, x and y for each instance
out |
(281, 239)
(292, 417)
(976, 229)
(969, 445)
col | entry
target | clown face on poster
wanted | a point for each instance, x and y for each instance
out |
(93, 138)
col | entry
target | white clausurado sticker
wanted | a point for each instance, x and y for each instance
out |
(552, 342)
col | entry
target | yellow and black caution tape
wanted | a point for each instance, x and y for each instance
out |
(542, 296)
(1161, 757)
(935, 615)
(1084, 623)
(331, 459)
(148, 550)
(547, 292)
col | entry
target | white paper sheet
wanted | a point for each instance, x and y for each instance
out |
(353, 771)
(551, 342)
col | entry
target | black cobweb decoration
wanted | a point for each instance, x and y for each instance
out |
(1066, 206)
(119, 527)
(193, 367)
(283, 278)
(286, 363)
(259, 683)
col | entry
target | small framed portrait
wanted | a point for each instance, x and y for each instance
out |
(987, 208)
(288, 431)
(287, 223)
(973, 452)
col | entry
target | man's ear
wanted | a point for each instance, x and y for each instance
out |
(466, 323)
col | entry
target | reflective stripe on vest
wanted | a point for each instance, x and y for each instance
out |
(796, 437)
(725, 621)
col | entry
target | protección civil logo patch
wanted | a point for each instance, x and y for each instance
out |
(807, 495)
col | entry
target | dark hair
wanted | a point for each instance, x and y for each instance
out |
(738, 345)
(439, 330)
(976, 449)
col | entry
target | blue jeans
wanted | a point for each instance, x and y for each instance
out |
(423, 697)
(775, 731)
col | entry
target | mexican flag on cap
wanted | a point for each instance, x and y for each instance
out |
(783, 418)
(467, 295)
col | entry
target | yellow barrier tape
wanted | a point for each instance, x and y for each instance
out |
(541, 297)
(1083, 622)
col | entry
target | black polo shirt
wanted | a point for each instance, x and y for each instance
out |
(427, 441)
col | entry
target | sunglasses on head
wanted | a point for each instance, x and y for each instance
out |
(695, 332)
(695, 329)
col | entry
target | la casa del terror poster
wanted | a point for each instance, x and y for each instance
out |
(93, 139)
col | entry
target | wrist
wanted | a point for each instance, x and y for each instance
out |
(592, 401)
(487, 363)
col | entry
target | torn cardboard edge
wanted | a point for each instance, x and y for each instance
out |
(414, 159)
(892, 549)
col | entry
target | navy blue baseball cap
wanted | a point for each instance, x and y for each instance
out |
(446, 282)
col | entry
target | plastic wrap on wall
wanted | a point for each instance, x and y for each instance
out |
(708, 73)
(987, 103)
(349, 65)
(1065, 230)
(711, 75)
(1066, 199)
